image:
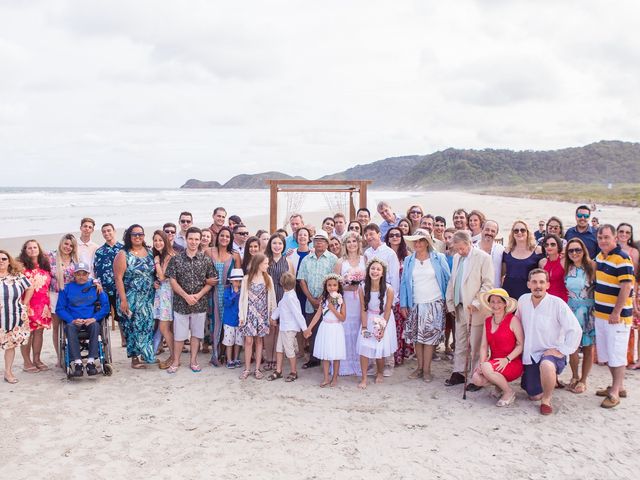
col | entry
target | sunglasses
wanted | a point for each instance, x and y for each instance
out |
(553, 227)
(415, 212)
(242, 234)
(583, 215)
(170, 232)
(628, 232)
(136, 234)
(519, 230)
(394, 235)
(574, 251)
(554, 244)
(4, 259)
(185, 221)
(355, 229)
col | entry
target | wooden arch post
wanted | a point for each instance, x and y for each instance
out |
(332, 186)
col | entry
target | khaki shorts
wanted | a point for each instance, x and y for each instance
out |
(611, 342)
(193, 322)
(287, 343)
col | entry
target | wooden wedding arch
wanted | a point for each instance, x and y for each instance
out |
(323, 186)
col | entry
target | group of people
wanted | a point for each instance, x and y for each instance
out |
(359, 297)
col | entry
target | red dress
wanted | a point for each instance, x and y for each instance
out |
(557, 286)
(39, 306)
(502, 342)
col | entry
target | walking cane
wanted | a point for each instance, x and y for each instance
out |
(468, 357)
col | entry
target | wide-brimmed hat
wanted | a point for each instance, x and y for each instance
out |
(419, 234)
(236, 274)
(512, 303)
(321, 235)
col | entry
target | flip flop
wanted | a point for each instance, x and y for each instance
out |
(172, 369)
(33, 369)
(42, 367)
(195, 368)
(13, 381)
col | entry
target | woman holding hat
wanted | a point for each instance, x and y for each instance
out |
(504, 338)
(423, 289)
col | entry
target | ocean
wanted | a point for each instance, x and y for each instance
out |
(36, 211)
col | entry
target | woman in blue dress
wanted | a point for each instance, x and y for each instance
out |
(224, 260)
(133, 270)
(580, 281)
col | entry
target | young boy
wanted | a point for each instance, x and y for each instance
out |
(232, 338)
(291, 322)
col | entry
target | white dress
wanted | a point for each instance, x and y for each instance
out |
(330, 343)
(371, 347)
(352, 324)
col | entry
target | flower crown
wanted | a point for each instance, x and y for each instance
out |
(333, 276)
(377, 260)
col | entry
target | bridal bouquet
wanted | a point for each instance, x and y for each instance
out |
(353, 277)
(336, 300)
(379, 324)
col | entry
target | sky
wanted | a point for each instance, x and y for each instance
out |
(149, 93)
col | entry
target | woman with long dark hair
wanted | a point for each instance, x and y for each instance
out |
(163, 298)
(224, 260)
(395, 240)
(134, 275)
(253, 246)
(37, 269)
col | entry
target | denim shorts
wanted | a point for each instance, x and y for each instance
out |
(531, 376)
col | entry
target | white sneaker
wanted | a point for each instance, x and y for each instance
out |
(387, 372)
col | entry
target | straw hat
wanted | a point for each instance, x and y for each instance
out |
(420, 234)
(512, 303)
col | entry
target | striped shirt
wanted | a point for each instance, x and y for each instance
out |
(12, 310)
(613, 270)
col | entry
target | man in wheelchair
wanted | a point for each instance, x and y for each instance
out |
(82, 307)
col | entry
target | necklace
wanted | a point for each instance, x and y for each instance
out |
(493, 319)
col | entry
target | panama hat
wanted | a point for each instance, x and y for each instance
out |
(512, 303)
(235, 274)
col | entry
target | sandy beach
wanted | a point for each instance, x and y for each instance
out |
(154, 425)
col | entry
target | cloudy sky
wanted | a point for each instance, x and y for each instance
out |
(152, 92)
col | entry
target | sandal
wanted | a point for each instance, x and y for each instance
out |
(579, 387)
(274, 376)
(245, 374)
(43, 367)
(172, 369)
(417, 373)
(269, 366)
(291, 377)
(259, 375)
(12, 380)
(506, 403)
(32, 369)
(138, 366)
(195, 368)
(572, 384)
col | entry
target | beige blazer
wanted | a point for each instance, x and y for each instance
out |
(477, 278)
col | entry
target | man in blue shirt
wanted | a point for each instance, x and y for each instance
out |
(583, 231)
(80, 306)
(389, 219)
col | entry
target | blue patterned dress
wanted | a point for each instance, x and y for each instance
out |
(138, 285)
(581, 302)
(217, 305)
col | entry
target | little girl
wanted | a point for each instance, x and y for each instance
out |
(330, 345)
(377, 339)
(257, 301)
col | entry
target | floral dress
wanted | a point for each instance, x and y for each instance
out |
(67, 274)
(257, 323)
(40, 306)
(581, 302)
(14, 325)
(138, 286)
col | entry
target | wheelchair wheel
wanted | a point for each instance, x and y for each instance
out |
(63, 352)
(105, 334)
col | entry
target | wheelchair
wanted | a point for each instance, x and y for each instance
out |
(104, 349)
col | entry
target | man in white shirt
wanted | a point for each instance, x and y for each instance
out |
(551, 332)
(87, 248)
(240, 235)
(378, 249)
(488, 245)
(339, 225)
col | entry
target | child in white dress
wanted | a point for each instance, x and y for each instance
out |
(330, 345)
(378, 338)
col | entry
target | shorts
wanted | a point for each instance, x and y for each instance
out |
(182, 324)
(531, 376)
(611, 342)
(232, 336)
(287, 343)
(53, 301)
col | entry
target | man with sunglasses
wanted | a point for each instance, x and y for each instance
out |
(81, 307)
(240, 235)
(170, 230)
(583, 231)
(186, 222)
